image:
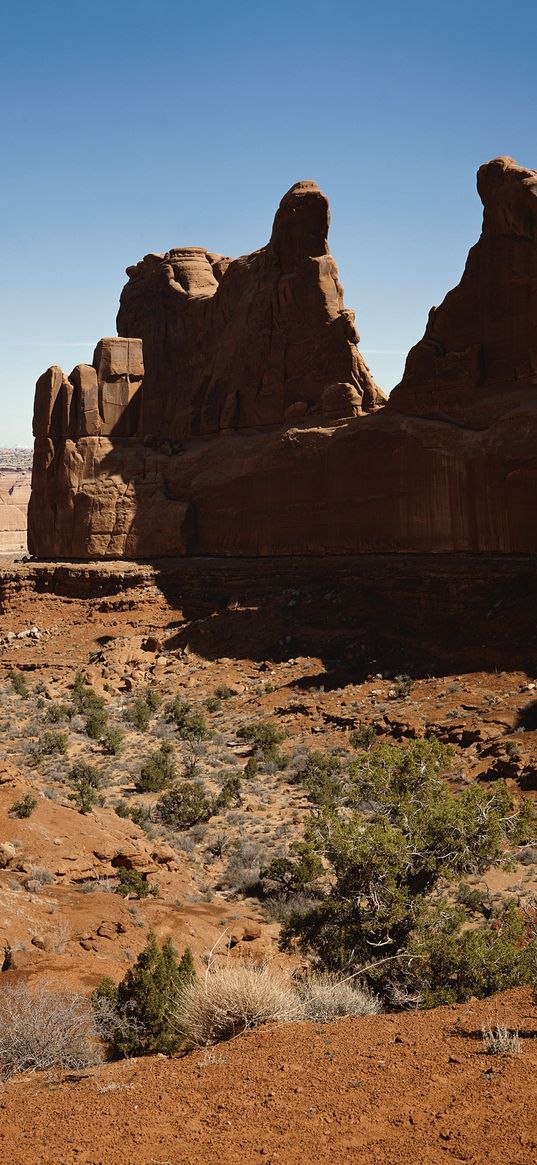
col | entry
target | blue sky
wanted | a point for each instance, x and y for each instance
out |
(137, 125)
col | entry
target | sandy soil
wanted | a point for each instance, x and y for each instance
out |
(387, 1090)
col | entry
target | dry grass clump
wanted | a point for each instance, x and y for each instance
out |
(326, 997)
(501, 1041)
(235, 998)
(45, 1029)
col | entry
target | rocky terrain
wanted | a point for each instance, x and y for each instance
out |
(395, 1086)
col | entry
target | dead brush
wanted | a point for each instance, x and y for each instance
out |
(326, 997)
(234, 998)
(44, 1029)
(501, 1041)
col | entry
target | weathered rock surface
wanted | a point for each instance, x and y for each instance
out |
(14, 497)
(242, 421)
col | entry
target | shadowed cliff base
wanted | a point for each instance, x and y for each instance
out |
(414, 614)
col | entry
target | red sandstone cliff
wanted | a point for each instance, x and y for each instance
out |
(236, 423)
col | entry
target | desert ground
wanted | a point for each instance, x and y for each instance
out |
(394, 1087)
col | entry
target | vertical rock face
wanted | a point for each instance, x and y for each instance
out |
(242, 420)
(478, 357)
(233, 344)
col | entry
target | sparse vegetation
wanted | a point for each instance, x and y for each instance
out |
(50, 743)
(24, 807)
(133, 884)
(138, 714)
(189, 722)
(328, 997)
(112, 741)
(264, 738)
(157, 772)
(501, 1041)
(185, 804)
(42, 1028)
(85, 781)
(18, 681)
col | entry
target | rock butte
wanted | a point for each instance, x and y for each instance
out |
(235, 416)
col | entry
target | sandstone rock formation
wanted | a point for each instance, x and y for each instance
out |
(242, 420)
(14, 497)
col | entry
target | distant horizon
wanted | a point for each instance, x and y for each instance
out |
(185, 125)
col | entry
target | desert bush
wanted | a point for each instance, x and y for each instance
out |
(230, 793)
(327, 996)
(189, 722)
(57, 712)
(264, 738)
(131, 883)
(291, 875)
(184, 805)
(85, 782)
(45, 1028)
(501, 1041)
(158, 771)
(321, 774)
(138, 714)
(223, 692)
(393, 856)
(251, 768)
(152, 699)
(18, 683)
(96, 723)
(234, 998)
(84, 699)
(363, 736)
(112, 741)
(24, 807)
(137, 813)
(52, 742)
(139, 1016)
(243, 869)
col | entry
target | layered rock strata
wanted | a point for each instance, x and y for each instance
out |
(243, 421)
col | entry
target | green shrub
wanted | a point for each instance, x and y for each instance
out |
(50, 743)
(184, 805)
(57, 712)
(292, 875)
(131, 883)
(251, 768)
(136, 813)
(230, 793)
(321, 775)
(18, 681)
(223, 692)
(24, 807)
(152, 699)
(96, 723)
(189, 723)
(85, 700)
(390, 855)
(363, 736)
(264, 738)
(112, 741)
(158, 771)
(139, 1016)
(85, 782)
(138, 714)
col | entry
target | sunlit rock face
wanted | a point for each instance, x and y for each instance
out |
(235, 416)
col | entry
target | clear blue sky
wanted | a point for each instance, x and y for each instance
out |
(135, 125)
